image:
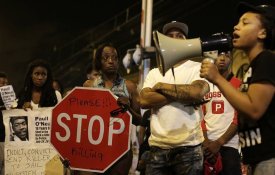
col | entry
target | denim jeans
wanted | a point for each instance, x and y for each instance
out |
(177, 161)
(264, 167)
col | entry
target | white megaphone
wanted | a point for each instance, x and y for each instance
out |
(171, 51)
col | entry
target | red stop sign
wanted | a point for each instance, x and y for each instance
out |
(84, 132)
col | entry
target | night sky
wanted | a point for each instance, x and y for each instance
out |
(32, 29)
(29, 28)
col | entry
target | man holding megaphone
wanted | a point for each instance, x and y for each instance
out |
(176, 135)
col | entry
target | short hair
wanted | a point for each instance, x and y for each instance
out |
(60, 85)
(13, 119)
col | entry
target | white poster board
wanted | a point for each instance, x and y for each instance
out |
(27, 142)
(8, 95)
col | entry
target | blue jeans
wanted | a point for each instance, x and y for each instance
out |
(264, 167)
(187, 160)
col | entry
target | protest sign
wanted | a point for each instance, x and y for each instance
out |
(27, 142)
(8, 96)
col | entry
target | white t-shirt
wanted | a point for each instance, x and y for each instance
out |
(219, 116)
(174, 124)
(58, 96)
(15, 138)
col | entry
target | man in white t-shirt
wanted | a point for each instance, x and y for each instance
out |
(220, 123)
(176, 135)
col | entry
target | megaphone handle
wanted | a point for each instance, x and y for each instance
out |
(212, 60)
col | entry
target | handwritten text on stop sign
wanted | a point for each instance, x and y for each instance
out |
(88, 153)
(96, 102)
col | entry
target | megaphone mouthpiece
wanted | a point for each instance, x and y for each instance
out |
(219, 41)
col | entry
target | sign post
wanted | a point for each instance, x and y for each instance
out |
(89, 130)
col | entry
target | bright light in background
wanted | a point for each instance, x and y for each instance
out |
(127, 61)
(137, 55)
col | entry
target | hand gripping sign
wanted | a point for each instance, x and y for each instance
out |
(89, 131)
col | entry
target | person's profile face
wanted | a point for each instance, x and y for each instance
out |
(248, 31)
(3, 81)
(20, 128)
(39, 76)
(56, 86)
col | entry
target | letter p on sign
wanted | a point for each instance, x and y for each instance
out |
(218, 107)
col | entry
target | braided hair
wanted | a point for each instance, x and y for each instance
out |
(48, 96)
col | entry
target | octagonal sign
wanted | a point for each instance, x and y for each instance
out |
(86, 134)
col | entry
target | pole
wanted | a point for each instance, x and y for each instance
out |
(148, 35)
(145, 36)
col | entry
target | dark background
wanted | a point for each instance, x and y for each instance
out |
(48, 29)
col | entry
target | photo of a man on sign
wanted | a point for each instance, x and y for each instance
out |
(19, 128)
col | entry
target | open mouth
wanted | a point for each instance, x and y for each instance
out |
(235, 36)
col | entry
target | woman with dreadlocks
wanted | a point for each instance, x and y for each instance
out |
(38, 90)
